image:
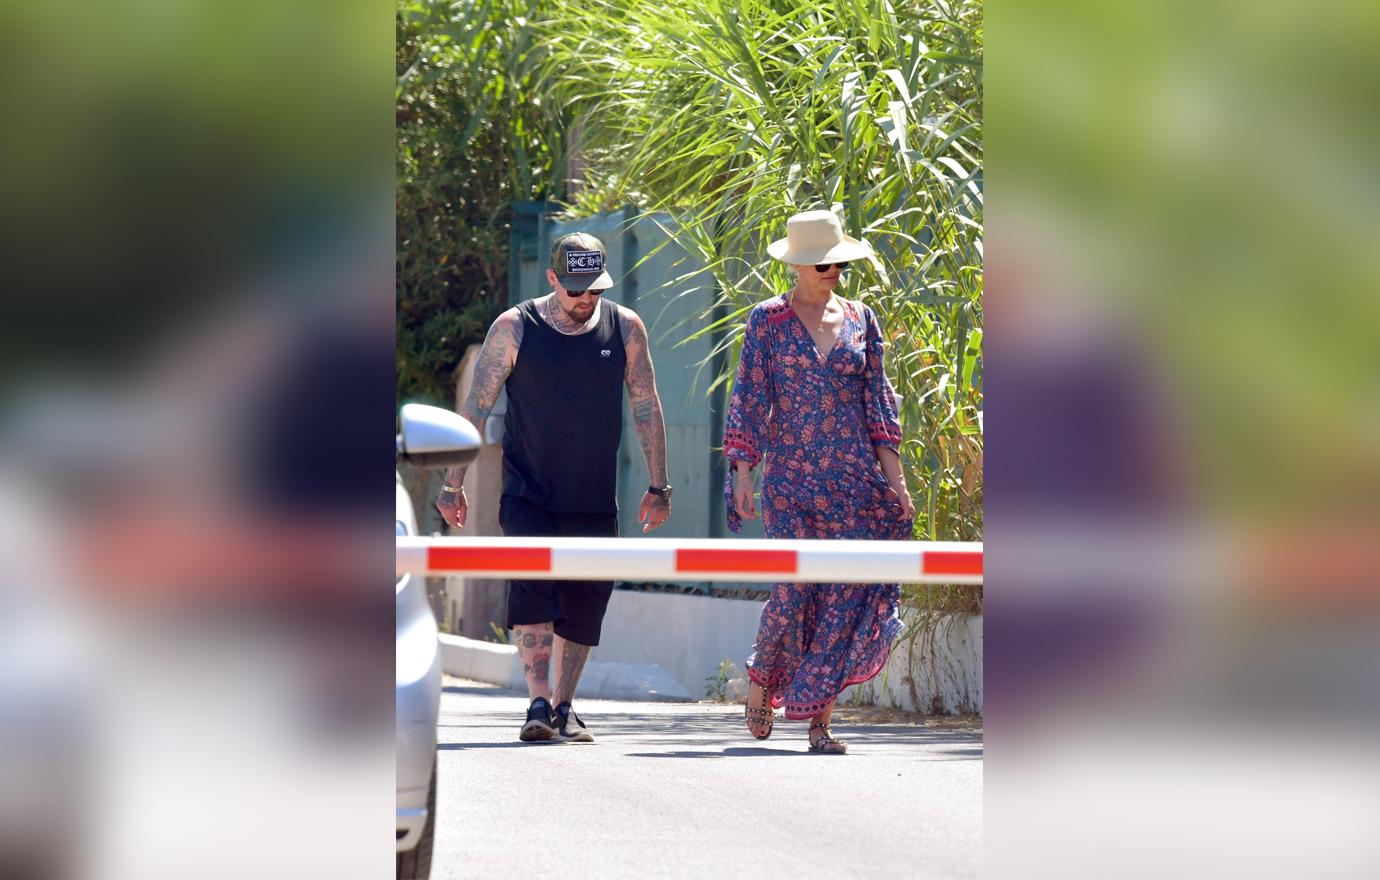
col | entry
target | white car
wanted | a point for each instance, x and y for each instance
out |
(431, 437)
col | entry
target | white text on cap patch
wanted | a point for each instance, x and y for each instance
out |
(583, 262)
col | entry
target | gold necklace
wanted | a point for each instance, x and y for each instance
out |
(823, 312)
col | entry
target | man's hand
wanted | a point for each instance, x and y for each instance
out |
(453, 507)
(653, 512)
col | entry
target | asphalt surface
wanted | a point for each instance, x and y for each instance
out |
(682, 790)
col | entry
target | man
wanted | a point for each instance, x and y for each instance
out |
(565, 359)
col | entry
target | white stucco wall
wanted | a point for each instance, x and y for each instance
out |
(499, 664)
(939, 675)
(689, 636)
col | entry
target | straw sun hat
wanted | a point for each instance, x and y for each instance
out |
(816, 237)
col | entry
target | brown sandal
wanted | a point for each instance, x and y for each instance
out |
(762, 714)
(826, 744)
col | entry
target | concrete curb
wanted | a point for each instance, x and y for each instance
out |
(498, 664)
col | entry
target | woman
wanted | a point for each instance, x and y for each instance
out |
(812, 404)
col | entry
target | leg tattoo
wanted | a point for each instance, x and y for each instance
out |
(534, 648)
(570, 660)
(541, 668)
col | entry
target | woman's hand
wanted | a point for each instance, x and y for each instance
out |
(903, 495)
(896, 479)
(742, 495)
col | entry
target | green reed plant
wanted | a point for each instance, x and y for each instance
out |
(474, 135)
(730, 115)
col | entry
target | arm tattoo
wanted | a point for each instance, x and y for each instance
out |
(455, 476)
(640, 379)
(496, 359)
(495, 362)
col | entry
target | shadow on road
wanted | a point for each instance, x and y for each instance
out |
(748, 752)
(515, 744)
(479, 690)
(736, 752)
(717, 733)
(671, 731)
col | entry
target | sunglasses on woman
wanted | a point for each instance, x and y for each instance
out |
(825, 267)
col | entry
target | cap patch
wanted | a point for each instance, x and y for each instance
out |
(583, 262)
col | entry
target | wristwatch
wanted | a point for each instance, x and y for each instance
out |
(663, 491)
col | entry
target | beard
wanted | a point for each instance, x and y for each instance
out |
(578, 314)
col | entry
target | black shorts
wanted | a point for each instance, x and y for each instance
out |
(575, 607)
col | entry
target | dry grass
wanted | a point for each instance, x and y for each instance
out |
(879, 715)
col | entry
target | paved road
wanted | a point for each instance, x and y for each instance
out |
(681, 790)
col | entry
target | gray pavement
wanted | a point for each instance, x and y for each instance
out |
(682, 790)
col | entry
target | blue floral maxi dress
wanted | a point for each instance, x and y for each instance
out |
(814, 420)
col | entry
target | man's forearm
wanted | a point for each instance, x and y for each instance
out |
(491, 370)
(651, 434)
(476, 415)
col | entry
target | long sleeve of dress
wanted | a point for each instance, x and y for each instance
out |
(883, 421)
(749, 409)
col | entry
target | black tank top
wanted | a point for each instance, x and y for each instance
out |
(565, 415)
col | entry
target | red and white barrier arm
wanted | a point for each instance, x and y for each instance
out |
(673, 559)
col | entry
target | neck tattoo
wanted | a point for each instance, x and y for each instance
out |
(559, 318)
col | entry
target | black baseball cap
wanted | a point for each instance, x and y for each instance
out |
(578, 260)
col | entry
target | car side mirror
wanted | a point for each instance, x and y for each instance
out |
(435, 437)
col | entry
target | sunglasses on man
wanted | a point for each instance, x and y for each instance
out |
(821, 269)
(576, 294)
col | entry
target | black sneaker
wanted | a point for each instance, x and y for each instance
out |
(540, 725)
(573, 730)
